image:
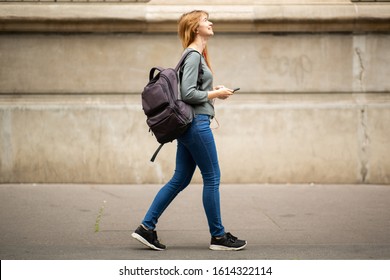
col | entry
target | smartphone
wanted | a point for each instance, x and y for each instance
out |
(236, 89)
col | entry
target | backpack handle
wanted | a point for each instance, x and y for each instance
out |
(160, 69)
(151, 73)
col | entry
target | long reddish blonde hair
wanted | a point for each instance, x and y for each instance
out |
(188, 23)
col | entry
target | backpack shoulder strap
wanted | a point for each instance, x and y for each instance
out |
(200, 70)
(183, 57)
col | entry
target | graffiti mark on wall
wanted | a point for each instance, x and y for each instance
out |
(297, 67)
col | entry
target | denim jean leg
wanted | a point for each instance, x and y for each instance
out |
(204, 153)
(185, 167)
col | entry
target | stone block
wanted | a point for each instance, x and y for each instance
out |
(105, 64)
(289, 139)
(377, 143)
(76, 139)
(270, 138)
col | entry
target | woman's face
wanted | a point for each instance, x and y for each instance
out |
(205, 27)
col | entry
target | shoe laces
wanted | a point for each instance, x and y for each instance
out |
(231, 237)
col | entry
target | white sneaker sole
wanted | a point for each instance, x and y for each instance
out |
(145, 242)
(224, 248)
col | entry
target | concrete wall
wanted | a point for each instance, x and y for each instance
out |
(314, 106)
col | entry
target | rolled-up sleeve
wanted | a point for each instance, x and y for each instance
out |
(188, 86)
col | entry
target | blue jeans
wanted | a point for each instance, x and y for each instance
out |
(196, 147)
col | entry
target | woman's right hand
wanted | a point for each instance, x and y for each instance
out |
(220, 92)
(224, 93)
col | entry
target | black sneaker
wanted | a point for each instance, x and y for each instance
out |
(148, 238)
(227, 242)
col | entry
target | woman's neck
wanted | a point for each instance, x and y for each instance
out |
(199, 44)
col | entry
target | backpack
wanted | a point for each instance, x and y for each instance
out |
(166, 115)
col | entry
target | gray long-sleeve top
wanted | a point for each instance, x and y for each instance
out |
(190, 94)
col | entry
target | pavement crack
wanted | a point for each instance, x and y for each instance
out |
(272, 220)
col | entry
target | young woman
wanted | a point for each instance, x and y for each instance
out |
(196, 147)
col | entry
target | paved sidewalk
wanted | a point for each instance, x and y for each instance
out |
(279, 222)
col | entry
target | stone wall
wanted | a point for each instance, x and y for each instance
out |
(314, 104)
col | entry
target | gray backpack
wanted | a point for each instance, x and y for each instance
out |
(166, 115)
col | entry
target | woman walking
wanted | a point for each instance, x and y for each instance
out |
(196, 147)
